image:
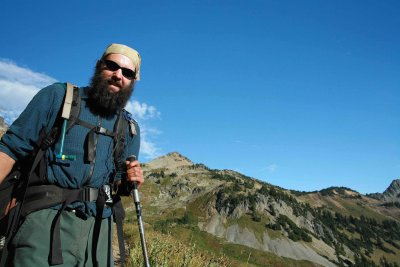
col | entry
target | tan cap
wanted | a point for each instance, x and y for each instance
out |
(132, 54)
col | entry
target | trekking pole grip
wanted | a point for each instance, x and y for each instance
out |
(135, 192)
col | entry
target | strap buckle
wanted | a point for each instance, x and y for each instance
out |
(107, 190)
(100, 130)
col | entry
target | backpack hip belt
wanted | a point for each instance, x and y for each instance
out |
(46, 196)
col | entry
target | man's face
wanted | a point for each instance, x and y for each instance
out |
(112, 84)
(115, 70)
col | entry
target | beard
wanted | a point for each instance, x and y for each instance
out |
(103, 102)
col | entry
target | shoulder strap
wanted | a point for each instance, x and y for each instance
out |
(72, 105)
(66, 112)
(120, 129)
(119, 141)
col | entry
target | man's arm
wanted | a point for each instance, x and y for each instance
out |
(6, 165)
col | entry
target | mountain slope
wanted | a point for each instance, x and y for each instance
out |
(330, 227)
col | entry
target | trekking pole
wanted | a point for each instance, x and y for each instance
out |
(136, 200)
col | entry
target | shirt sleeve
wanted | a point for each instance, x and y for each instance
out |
(41, 113)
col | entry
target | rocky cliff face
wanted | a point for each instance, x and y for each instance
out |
(225, 223)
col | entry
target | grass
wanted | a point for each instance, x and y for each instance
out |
(165, 250)
(260, 258)
(186, 245)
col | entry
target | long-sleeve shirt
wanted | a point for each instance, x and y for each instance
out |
(41, 113)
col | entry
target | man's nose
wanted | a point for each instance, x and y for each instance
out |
(118, 74)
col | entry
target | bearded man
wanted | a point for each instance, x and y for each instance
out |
(76, 231)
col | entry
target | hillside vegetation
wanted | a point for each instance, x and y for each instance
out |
(248, 222)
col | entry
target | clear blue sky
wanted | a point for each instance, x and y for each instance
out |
(301, 94)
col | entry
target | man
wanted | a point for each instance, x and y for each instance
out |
(83, 226)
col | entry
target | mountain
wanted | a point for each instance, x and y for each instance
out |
(259, 224)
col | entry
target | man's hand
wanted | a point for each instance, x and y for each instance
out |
(134, 172)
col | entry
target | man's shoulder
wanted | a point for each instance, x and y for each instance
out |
(55, 89)
(49, 96)
(58, 86)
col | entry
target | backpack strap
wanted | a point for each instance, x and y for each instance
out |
(125, 120)
(66, 112)
(119, 141)
(72, 105)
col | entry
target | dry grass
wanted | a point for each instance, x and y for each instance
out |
(165, 250)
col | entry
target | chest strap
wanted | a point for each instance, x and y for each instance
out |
(96, 129)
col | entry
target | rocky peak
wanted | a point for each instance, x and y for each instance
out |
(171, 160)
(392, 193)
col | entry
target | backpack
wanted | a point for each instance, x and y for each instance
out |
(27, 186)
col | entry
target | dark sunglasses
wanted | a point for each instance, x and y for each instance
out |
(111, 65)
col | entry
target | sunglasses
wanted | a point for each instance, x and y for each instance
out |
(111, 65)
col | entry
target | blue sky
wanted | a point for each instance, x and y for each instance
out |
(300, 94)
